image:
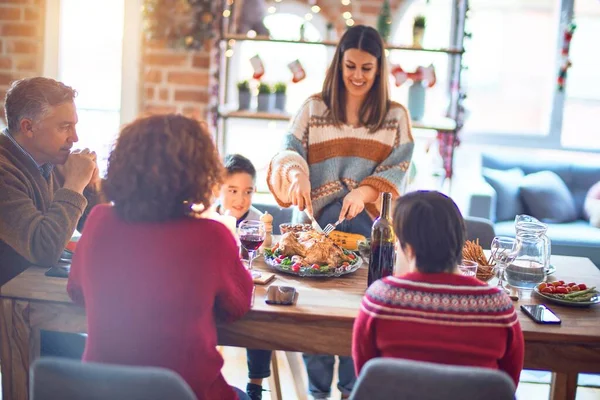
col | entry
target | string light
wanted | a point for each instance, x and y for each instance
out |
(344, 2)
(277, 1)
(387, 52)
(251, 34)
(347, 15)
(350, 22)
(272, 10)
(231, 42)
(308, 17)
(315, 9)
(226, 13)
(229, 53)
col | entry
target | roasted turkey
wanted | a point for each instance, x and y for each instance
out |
(314, 247)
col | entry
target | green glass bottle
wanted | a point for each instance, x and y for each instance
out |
(381, 261)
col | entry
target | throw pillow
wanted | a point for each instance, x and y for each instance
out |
(547, 198)
(592, 194)
(593, 209)
(506, 184)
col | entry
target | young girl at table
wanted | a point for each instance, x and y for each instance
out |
(346, 145)
(154, 280)
(433, 313)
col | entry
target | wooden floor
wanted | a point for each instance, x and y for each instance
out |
(236, 373)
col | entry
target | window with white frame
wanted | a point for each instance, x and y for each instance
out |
(89, 47)
(581, 116)
(512, 62)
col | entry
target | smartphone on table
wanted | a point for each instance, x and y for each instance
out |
(540, 314)
(280, 295)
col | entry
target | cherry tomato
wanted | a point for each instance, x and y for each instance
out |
(542, 286)
(582, 286)
(315, 266)
(556, 283)
(571, 284)
(551, 289)
(296, 267)
(562, 282)
(561, 289)
(548, 289)
(345, 264)
(351, 256)
(575, 288)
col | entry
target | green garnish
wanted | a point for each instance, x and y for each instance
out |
(286, 261)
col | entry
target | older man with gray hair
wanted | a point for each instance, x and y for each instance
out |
(46, 189)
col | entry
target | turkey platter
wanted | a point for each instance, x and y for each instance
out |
(311, 253)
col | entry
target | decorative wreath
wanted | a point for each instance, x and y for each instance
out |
(183, 23)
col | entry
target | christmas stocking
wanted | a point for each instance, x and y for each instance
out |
(257, 65)
(399, 75)
(297, 71)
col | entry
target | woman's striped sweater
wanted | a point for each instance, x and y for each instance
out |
(441, 318)
(339, 159)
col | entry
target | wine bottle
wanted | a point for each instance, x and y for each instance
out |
(381, 261)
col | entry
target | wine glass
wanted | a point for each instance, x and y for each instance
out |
(252, 236)
(504, 251)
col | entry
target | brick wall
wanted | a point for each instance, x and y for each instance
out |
(174, 80)
(21, 42)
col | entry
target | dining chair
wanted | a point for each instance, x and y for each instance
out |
(480, 228)
(398, 379)
(59, 378)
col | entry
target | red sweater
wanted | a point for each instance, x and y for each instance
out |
(439, 318)
(152, 293)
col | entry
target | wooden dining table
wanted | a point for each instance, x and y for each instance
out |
(320, 321)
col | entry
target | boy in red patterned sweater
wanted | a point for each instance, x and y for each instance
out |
(433, 313)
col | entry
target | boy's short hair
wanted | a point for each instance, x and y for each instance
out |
(433, 226)
(235, 163)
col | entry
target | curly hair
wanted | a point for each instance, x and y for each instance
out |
(160, 166)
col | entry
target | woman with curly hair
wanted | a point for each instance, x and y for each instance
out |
(153, 279)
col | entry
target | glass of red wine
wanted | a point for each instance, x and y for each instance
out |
(252, 236)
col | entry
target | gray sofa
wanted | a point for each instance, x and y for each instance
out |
(574, 238)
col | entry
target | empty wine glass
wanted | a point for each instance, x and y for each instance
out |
(252, 236)
(504, 251)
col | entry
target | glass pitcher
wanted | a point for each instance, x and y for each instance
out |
(532, 262)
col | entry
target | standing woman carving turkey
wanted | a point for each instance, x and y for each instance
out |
(346, 145)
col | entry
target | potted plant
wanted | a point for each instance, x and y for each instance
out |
(244, 95)
(280, 89)
(265, 97)
(418, 30)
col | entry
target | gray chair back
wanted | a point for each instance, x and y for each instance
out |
(59, 378)
(398, 379)
(482, 229)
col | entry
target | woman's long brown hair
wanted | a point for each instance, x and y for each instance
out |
(377, 103)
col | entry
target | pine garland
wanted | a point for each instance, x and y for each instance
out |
(182, 23)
